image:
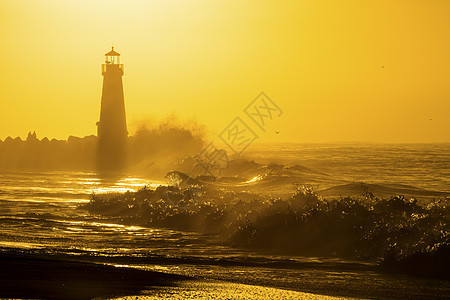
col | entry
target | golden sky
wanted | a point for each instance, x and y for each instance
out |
(340, 70)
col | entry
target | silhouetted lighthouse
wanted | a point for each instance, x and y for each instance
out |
(112, 127)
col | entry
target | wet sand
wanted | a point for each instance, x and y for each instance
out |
(35, 276)
(202, 289)
(38, 277)
(25, 276)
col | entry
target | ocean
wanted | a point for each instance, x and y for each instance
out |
(42, 213)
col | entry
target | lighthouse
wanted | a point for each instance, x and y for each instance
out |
(112, 128)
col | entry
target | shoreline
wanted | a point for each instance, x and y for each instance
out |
(44, 276)
(28, 276)
(34, 276)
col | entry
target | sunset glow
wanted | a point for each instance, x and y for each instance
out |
(341, 70)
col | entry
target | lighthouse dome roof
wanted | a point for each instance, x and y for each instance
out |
(112, 53)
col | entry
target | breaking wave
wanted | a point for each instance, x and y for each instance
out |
(395, 230)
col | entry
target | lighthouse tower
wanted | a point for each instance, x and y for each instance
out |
(112, 127)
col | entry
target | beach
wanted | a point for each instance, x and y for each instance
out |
(28, 277)
(34, 277)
